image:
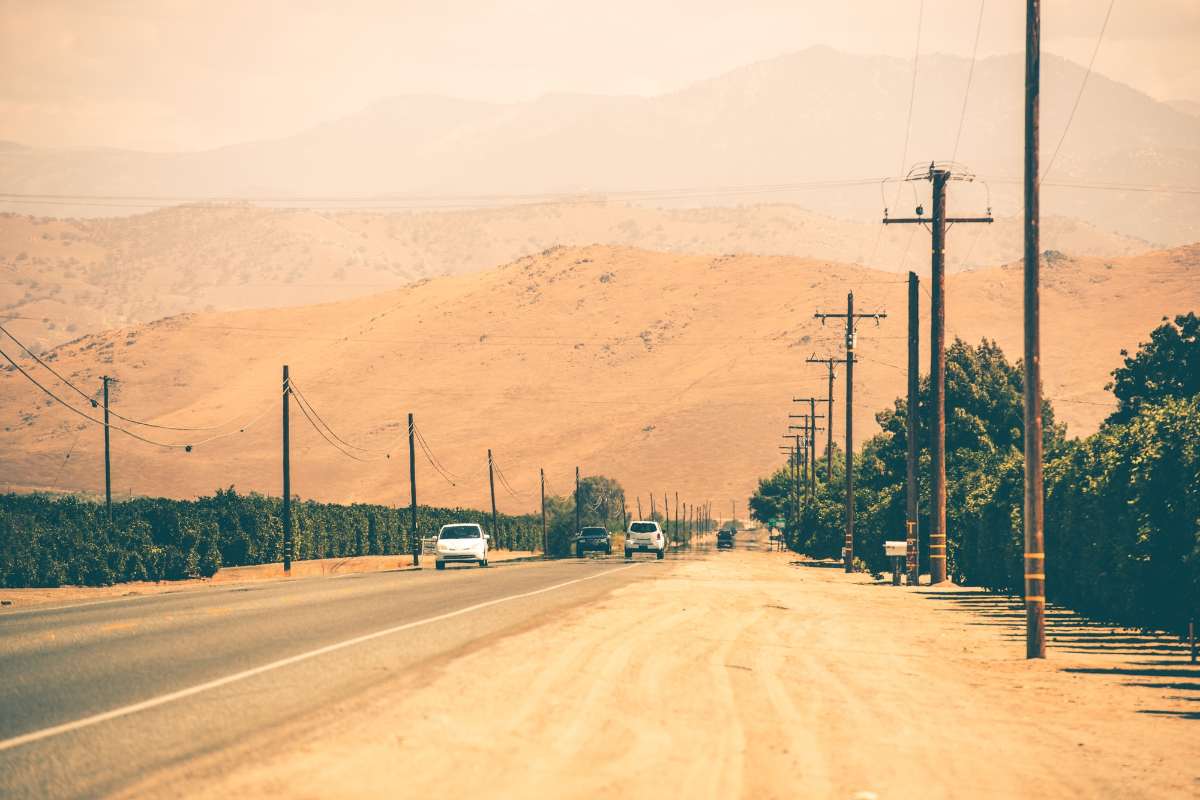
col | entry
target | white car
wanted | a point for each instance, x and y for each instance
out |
(464, 541)
(644, 536)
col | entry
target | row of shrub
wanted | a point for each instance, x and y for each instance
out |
(1122, 510)
(52, 540)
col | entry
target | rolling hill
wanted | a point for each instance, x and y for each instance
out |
(814, 115)
(671, 372)
(60, 279)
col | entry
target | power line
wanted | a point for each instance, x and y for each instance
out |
(912, 95)
(86, 416)
(434, 202)
(332, 443)
(1079, 95)
(970, 74)
(91, 399)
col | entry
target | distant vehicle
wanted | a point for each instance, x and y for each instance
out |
(461, 542)
(645, 537)
(724, 540)
(592, 539)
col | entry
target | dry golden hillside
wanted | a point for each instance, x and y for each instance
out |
(60, 279)
(669, 372)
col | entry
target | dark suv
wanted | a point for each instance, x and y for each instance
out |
(593, 539)
(725, 539)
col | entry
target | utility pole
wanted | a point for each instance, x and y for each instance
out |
(639, 504)
(107, 462)
(492, 489)
(912, 489)
(412, 493)
(578, 526)
(677, 529)
(829, 363)
(938, 177)
(851, 322)
(1035, 554)
(545, 536)
(287, 471)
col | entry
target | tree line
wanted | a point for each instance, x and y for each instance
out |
(55, 540)
(1122, 512)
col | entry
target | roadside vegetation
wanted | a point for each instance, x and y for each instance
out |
(1122, 505)
(55, 540)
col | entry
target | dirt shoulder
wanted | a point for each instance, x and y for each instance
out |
(748, 674)
(24, 598)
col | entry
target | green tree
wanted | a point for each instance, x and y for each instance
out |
(1166, 366)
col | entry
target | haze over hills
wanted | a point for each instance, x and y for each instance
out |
(815, 115)
(60, 279)
(663, 370)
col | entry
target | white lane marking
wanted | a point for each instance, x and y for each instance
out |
(163, 699)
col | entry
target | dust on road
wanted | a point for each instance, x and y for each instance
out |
(749, 674)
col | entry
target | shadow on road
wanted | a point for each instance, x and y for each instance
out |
(1071, 632)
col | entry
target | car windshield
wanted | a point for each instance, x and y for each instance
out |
(594, 532)
(643, 527)
(459, 532)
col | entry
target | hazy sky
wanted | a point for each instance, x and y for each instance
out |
(176, 74)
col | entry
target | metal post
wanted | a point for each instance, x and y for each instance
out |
(287, 474)
(107, 461)
(1035, 555)
(911, 487)
(415, 539)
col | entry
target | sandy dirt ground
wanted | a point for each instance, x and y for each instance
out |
(23, 598)
(750, 674)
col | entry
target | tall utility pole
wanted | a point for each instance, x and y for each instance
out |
(829, 363)
(938, 177)
(1035, 554)
(412, 493)
(912, 489)
(492, 489)
(545, 536)
(108, 462)
(677, 529)
(578, 526)
(813, 417)
(851, 322)
(287, 471)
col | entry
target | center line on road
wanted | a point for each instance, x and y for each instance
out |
(163, 699)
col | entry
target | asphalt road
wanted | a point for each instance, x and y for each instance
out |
(94, 697)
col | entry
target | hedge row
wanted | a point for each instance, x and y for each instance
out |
(50, 541)
(1122, 510)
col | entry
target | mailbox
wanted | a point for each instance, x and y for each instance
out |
(895, 549)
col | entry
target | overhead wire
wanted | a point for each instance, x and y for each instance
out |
(92, 399)
(1079, 95)
(962, 117)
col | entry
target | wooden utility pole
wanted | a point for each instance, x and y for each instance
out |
(912, 489)
(545, 536)
(829, 363)
(287, 474)
(678, 531)
(851, 323)
(492, 489)
(1035, 554)
(938, 177)
(107, 460)
(412, 494)
(578, 525)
